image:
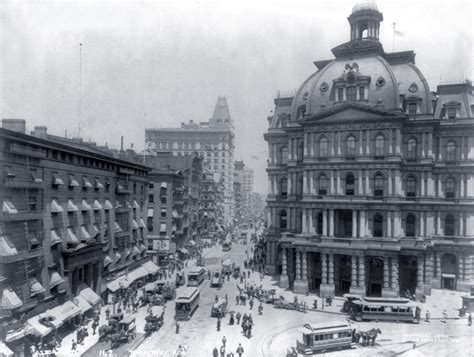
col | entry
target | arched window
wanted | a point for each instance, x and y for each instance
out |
(449, 225)
(378, 225)
(350, 184)
(284, 187)
(283, 219)
(411, 186)
(284, 155)
(323, 185)
(451, 151)
(323, 147)
(351, 94)
(351, 146)
(410, 225)
(411, 148)
(450, 188)
(379, 145)
(378, 185)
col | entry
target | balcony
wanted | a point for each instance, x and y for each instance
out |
(22, 216)
(21, 256)
(22, 183)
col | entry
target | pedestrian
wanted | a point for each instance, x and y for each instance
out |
(236, 299)
(224, 340)
(218, 324)
(222, 350)
(74, 346)
(215, 352)
(216, 299)
(248, 274)
(94, 326)
(78, 335)
(251, 304)
(469, 319)
(177, 327)
(226, 299)
(427, 316)
(240, 350)
(238, 318)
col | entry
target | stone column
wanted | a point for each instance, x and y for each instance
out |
(359, 143)
(362, 272)
(331, 223)
(339, 143)
(422, 185)
(305, 144)
(430, 145)
(298, 265)
(301, 285)
(385, 273)
(325, 222)
(305, 182)
(354, 224)
(304, 227)
(367, 142)
(422, 224)
(284, 281)
(419, 277)
(461, 267)
(389, 183)
(429, 272)
(331, 182)
(398, 184)
(331, 269)
(353, 272)
(430, 184)
(394, 283)
(360, 191)
(398, 141)
(423, 144)
(324, 269)
(390, 142)
(311, 182)
(338, 183)
(367, 183)
(362, 232)
(388, 233)
(332, 144)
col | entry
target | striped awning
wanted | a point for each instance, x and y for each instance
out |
(71, 237)
(142, 223)
(85, 206)
(6, 246)
(71, 207)
(10, 299)
(36, 287)
(134, 224)
(82, 304)
(55, 279)
(56, 207)
(55, 238)
(107, 260)
(108, 205)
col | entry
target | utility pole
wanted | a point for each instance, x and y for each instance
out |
(80, 91)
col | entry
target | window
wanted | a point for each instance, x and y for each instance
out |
(320, 223)
(361, 93)
(283, 219)
(379, 145)
(350, 185)
(284, 155)
(151, 198)
(412, 109)
(450, 188)
(340, 94)
(378, 225)
(323, 147)
(350, 146)
(163, 199)
(451, 112)
(351, 94)
(410, 225)
(451, 151)
(32, 203)
(323, 185)
(378, 185)
(411, 186)
(284, 187)
(411, 148)
(163, 213)
(449, 225)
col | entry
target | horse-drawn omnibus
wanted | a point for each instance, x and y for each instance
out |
(186, 303)
(391, 309)
(196, 276)
(323, 336)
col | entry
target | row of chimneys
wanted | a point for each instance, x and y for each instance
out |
(19, 126)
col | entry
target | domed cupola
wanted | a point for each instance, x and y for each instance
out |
(365, 21)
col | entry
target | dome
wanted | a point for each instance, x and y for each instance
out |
(365, 5)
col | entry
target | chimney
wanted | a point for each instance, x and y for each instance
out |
(40, 132)
(17, 125)
(121, 143)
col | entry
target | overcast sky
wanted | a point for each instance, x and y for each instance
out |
(171, 60)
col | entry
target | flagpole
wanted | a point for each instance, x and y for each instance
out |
(393, 37)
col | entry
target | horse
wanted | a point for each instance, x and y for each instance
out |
(373, 333)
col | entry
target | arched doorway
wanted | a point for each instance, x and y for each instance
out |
(448, 271)
(342, 274)
(374, 269)
(407, 273)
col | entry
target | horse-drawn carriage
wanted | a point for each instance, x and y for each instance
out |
(125, 333)
(219, 308)
(154, 320)
(167, 289)
(282, 303)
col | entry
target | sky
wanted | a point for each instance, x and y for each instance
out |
(160, 63)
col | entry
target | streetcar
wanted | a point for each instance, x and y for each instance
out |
(323, 336)
(390, 309)
(196, 276)
(186, 303)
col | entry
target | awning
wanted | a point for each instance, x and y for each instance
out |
(119, 283)
(137, 274)
(127, 204)
(175, 214)
(39, 329)
(85, 206)
(117, 204)
(55, 279)
(82, 304)
(55, 238)
(71, 237)
(150, 212)
(127, 252)
(64, 312)
(135, 251)
(71, 207)
(87, 183)
(6, 246)
(452, 276)
(5, 351)
(151, 267)
(164, 185)
(98, 184)
(107, 260)
(142, 248)
(142, 223)
(90, 296)
(85, 236)
(36, 287)
(117, 257)
(134, 224)
(73, 182)
(17, 334)
(184, 250)
(117, 228)
(10, 299)
(163, 227)
(56, 207)
(97, 205)
(57, 180)
(8, 207)
(174, 228)
(135, 204)
(108, 205)
(95, 229)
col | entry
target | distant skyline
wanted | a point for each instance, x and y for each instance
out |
(171, 60)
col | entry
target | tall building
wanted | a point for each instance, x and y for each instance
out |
(71, 227)
(371, 175)
(210, 213)
(244, 177)
(247, 186)
(213, 140)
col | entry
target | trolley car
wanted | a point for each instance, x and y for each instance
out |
(390, 309)
(324, 336)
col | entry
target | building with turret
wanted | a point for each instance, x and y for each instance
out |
(371, 175)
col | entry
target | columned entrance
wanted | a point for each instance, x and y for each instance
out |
(407, 271)
(342, 273)
(448, 271)
(374, 275)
